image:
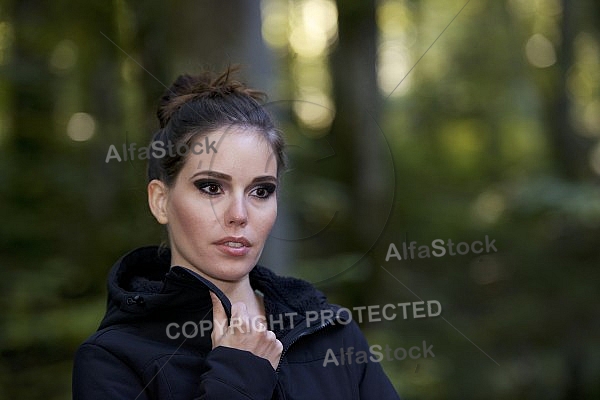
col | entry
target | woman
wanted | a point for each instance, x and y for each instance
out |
(201, 320)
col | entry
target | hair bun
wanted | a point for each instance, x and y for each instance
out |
(187, 88)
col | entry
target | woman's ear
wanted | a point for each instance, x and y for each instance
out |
(157, 200)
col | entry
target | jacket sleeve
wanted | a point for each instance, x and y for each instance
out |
(373, 382)
(99, 374)
(232, 374)
(236, 374)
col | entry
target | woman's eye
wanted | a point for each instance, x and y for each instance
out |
(210, 188)
(263, 192)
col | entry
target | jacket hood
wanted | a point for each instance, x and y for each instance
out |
(143, 285)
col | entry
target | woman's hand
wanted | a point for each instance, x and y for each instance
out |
(243, 333)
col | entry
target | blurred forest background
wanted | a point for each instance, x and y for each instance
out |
(495, 131)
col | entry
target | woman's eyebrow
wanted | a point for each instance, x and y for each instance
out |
(213, 174)
(220, 175)
(265, 178)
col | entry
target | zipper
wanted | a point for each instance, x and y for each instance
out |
(301, 335)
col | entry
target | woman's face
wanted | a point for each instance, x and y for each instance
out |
(222, 205)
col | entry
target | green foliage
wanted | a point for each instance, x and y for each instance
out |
(475, 153)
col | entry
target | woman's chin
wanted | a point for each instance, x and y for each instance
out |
(232, 270)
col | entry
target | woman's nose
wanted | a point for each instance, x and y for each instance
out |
(237, 213)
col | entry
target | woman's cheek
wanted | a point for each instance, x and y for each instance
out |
(268, 221)
(192, 221)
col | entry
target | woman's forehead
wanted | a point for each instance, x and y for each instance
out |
(241, 152)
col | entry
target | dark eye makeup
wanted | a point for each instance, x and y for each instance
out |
(264, 190)
(208, 187)
(213, 188)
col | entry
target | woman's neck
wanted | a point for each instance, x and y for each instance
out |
(243, 292)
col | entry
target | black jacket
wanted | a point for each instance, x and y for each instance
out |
(153, 342)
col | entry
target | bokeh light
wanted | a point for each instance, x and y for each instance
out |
(81, 127)
(540, 51)
(64, 56)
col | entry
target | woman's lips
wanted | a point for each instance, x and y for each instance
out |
(234, 246)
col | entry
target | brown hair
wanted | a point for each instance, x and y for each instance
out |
(198, 105)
